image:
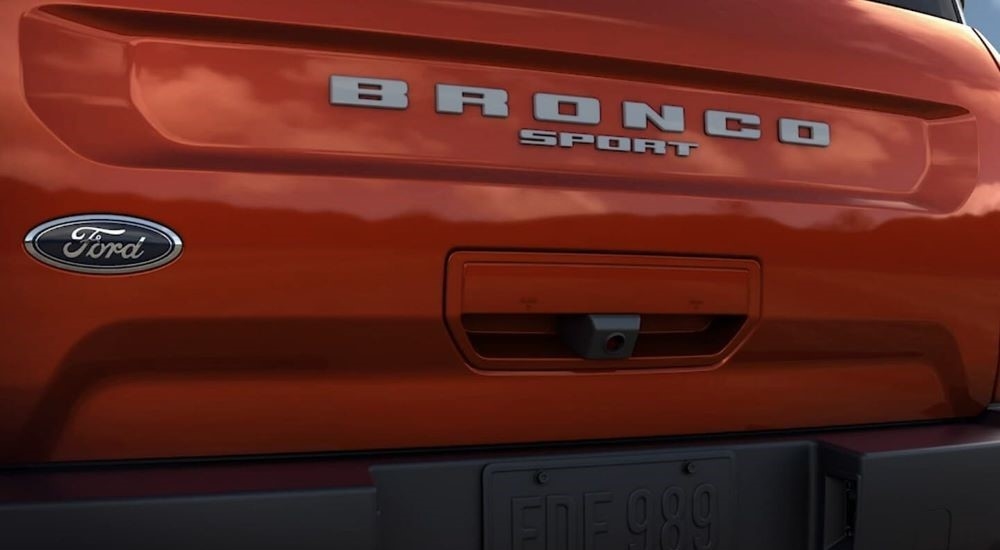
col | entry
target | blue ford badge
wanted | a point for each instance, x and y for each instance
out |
(103, 244)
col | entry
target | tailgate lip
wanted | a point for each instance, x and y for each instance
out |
(143, 24)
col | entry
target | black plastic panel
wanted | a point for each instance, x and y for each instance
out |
(343, 519)
(440, 504)
(937, 8)
(938, 497)
(919, 488)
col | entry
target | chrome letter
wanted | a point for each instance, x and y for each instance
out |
(638, 116)
(790, 131)
(453, 99)
(587, 110)
(544, 138)
(717, 124)
(368, 92)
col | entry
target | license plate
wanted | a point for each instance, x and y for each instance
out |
(636, 502)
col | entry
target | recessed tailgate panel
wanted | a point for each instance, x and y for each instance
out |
(199, 101)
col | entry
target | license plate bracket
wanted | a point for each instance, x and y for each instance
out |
(636, 502)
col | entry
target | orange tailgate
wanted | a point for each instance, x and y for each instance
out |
(370, 278)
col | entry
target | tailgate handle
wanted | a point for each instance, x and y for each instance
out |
(559, 311)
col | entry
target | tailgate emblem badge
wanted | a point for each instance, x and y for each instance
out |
(669, 121)
(103, 244)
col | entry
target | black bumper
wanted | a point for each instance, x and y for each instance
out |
(922, 488)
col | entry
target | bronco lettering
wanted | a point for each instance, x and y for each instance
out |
(383, 93)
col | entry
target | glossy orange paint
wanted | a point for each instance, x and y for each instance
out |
(307, 312)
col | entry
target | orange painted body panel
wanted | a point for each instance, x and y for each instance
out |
(307, 311)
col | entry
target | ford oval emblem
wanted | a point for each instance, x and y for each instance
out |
(103, 244)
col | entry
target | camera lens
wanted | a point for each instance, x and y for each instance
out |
(614, 343)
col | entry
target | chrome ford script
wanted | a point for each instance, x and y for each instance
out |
(103, 244)
(551, 108)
